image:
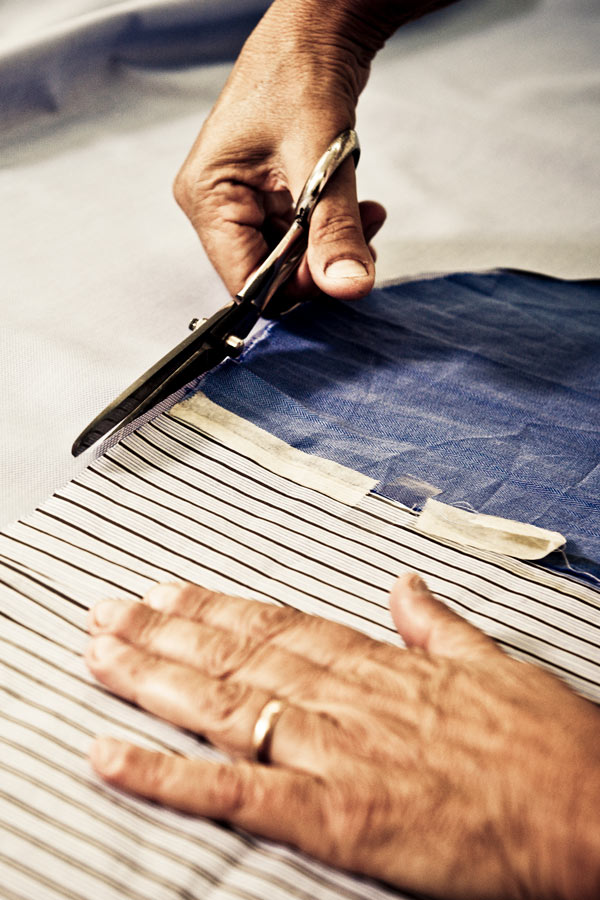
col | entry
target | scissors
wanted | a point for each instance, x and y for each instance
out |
(222, 335)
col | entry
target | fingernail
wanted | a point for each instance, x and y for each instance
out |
(105, 612)
(415, 583)
(100, 647)
(102, 752)
(346, 268)
(161, 596)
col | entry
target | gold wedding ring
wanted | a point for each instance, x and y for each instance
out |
(262, 736)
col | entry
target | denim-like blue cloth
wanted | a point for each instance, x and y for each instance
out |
(479, 389)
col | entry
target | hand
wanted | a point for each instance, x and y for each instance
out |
(293, 89)
(446, 768)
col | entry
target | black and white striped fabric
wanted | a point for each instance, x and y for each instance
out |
(169, 503)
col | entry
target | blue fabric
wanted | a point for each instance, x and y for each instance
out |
(479, 389)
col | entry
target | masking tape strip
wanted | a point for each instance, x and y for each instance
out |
(483, 532)
(329, 478)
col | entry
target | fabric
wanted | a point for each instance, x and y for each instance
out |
(479, 130)
(169, 503)
(330, 478)
(481, 390)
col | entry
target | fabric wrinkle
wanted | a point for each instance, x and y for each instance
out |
(495, 407)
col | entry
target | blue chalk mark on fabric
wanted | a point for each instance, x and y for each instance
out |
(484, 387)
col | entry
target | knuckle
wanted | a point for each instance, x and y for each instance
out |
(339, 817)
(270, 620)
(222, 655)
(177, 590)
(337, 228)
(196, 599)
(165, 596)
(157, 773)
(135, 623)
(179, 597)
(139, 624)
(107, 653)
(146, 631)
(352, 818)
(123, 760)
(192, 190)
(182, 189)
(224, 700)
(142, 668)
(231, 789)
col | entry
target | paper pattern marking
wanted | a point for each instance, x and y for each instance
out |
(169, 503)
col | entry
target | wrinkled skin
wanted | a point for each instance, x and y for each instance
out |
(294, 87)
(446, 768)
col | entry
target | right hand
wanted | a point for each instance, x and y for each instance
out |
(293, 89)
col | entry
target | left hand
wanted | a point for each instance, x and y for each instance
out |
(447, 768)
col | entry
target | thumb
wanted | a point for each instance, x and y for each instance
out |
(338, 257)
(422, 621)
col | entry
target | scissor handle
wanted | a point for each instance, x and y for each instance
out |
(261, 286)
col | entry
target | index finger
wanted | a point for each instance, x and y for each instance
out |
(342, 650)
(228, 216)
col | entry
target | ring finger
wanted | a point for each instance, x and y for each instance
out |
(224, 711)
(250, 653)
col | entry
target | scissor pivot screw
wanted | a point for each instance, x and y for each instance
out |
(234, 345)
(196, 323)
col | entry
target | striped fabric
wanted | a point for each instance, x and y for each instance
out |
(166, 504)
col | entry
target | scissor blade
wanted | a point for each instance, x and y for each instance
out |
(196, 354)
(141, 396)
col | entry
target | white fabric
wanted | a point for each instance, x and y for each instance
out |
(479, 131)
(170, 504)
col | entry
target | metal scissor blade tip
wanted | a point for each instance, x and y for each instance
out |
(106, 424)
(199, 352)
(79, 445)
